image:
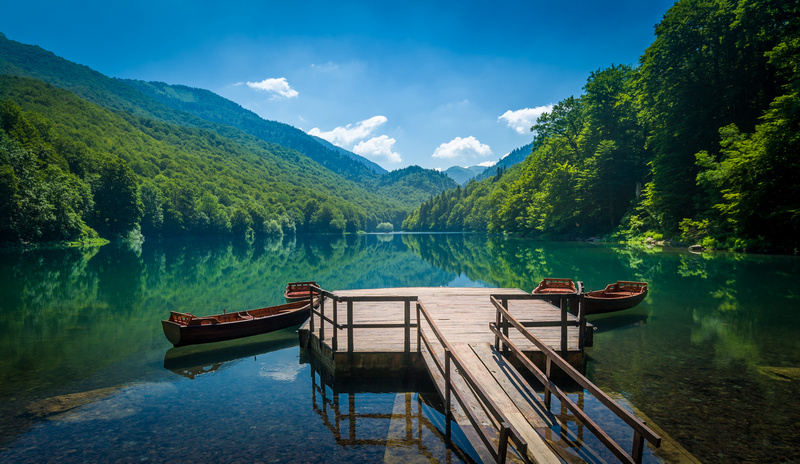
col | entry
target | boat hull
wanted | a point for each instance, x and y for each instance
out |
(615, 297)
(298, 291)
(600, 303)
(182, 335)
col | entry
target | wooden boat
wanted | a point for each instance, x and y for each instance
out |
(186, 329)
(556, 286)
(615, 297)
(297, 291)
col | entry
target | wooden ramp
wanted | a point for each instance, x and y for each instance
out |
(493, 378)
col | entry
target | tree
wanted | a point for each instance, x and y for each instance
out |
(385, 227)
(118, 207)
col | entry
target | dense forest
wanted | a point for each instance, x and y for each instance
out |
(698, 143)
(70, 169)
(84, 155)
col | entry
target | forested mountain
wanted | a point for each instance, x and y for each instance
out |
(516, 156)
(699, 142)
(414, 184)
(374, 166)
(68, 165)
(211, 107)
(461, 174)
(62, 152)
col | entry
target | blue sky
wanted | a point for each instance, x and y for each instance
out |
(434, 84)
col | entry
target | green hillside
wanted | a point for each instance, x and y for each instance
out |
(515, 157)
(182, 174)
(211, 107)
(698, 143)
(413, 184)
(62, 157)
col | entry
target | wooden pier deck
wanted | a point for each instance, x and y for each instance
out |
(463, 315)
(453, 335)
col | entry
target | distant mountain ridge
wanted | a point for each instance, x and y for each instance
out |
(515, 157)
(212, 107)
(374, 166)
(462, 175)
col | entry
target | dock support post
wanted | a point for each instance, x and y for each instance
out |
(502, 442)
(311, 310)
(498, 322)
(505, 325)
(447, 363)
(548, 365)
(407, 329)
(419, 331)
(581, 324)
(322, 319)
(563, 327)
(349, 327)
(335, 340)
(638, 446)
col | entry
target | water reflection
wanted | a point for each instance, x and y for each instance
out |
(716, 338)
(193, 360)
(401, 425)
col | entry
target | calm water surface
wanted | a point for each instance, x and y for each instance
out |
(712, 356)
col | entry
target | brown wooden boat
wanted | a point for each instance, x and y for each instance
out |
(556, 286)
(615, 297)
(296, 291)
(186, 329)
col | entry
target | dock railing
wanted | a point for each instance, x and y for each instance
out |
(447, 368)
(565, 302)
(350, 325)
(640, 431)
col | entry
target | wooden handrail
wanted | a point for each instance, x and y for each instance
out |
(506, 430)
(641, 431)
(407, 325)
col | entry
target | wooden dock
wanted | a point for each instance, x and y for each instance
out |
(454, 334)
(463, 314)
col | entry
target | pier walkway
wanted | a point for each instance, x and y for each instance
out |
(471, 341)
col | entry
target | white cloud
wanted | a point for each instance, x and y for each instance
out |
(348, 134)
(378, 147)
(278, 86)
(469, 147)
(522, 120)
(487, 164)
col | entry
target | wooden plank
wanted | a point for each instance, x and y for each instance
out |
(457, 412)
(538, 450)
(530, 405)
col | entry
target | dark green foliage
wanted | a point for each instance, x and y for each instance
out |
(40, 201)
(117, 206)
(199, 168)
(413, 184)
(211, 107)
(385, 227)
(194, 181)
(701, 140)
(516, 156)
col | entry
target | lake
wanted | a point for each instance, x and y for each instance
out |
(712, 356)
